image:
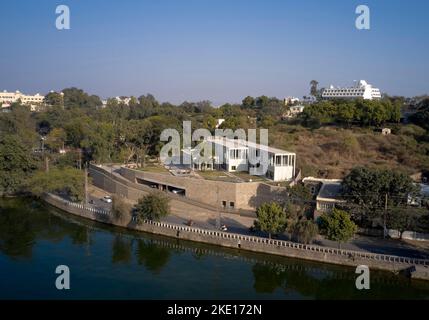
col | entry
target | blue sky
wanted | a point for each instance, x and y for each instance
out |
(219, 50)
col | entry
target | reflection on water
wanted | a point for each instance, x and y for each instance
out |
(107, 262)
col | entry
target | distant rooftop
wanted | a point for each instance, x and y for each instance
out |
(330, 190)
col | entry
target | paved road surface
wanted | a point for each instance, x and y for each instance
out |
(203, 218)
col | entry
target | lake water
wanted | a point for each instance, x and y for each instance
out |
(113, 263)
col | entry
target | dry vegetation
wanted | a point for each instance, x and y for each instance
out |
(331, 152)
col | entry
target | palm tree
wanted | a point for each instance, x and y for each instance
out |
(313, 87)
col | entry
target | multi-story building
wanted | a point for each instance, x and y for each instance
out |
(361, 89)
(11, 97)
(233, 155)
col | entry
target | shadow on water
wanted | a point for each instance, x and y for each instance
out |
(26, 226)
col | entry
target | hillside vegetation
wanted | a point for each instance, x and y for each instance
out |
(331, 152)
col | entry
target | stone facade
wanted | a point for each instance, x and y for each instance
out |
(226, 195)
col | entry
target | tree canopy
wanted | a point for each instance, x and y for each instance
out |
(421, 117)
(370, 188)
(271, 218)
(16, 164)
(357, 111)
(66, 182)
(152, 207)
(337, 225)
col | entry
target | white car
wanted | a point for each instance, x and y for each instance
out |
(178, 191)
(107, 199)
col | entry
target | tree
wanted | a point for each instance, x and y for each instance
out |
(121, 210)
(372, 189)
(346, 114)
(304, 231)
(66, 182)
(56, 139)
(262, 101)
(271, 218)
(248, 102)
(363, 112)
(152, 207)
(209, 122)
(300, 202)
(267, 121)
(313, 88)
(337, 226)
(77, 98)
(421, 117)
(401, 220)
(16, 164)
(54, 99)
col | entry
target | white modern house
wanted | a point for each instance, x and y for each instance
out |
(361, 89)
(230, 154)
(233, 155)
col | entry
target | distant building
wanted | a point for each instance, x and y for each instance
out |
(308, 99)
(290, 100)
(423, 195)
(293, 111)
(219, 122)
(327, 193)
(386, 131)
(33, 101)
(360, 90)
(124, 100)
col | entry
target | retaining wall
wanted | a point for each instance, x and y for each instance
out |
(255, 244)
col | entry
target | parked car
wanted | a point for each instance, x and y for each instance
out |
(178, 191)
(107, 199)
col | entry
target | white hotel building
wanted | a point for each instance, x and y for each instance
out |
(281, 164)
(7, 98)
(361, 89)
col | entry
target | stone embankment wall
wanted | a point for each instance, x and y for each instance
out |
(419, 267)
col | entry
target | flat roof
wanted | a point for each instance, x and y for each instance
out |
(243, 144)
(229, 143)
(330, 190)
